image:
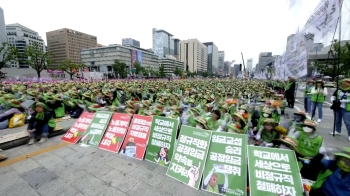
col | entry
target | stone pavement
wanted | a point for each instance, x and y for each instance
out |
(75, 170)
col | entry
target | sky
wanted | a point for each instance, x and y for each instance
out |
(235, 26)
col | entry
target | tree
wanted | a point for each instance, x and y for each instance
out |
(70, 68)
(205, 74)
(8, 54)
(119, 67)
(137, 66)
(37, 58)
(161, 71)
(177, 71)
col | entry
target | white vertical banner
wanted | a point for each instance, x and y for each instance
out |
(323, 19)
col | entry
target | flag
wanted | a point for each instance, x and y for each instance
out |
(324, 19)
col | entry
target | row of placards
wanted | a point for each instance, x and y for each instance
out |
(220, 157)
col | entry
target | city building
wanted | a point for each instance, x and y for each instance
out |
(194, 54)
(227, 67)
(213, 57)
(130, 42)
(66, 44)
(265, 59)
(170, 63)
(238, 69)
(221, 60)
(177, 48)
(101, 59)
(163, 42)
(20, 36)
(250, 64)
(2, 27)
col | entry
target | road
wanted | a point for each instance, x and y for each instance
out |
(327, 103)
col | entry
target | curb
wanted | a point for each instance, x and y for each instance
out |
(24, 140)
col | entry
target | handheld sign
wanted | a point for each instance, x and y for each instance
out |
(273, 172)
(95, 131)
(161, 141)
(136, 139)
(225, 171)
(115, 133)
(187, 163)
(74, 134)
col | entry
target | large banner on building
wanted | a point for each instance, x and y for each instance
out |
(133, 57)
(139, 57)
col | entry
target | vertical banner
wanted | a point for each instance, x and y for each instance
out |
(161, 141)
(273, 172)
(225, 171)
(95, 131)
(133, 57)
(115, 133)
(74, 134)
(136, 139)
(139, 57)
(187, 164)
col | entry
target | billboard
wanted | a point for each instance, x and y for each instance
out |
(133, 57)
(139, 57)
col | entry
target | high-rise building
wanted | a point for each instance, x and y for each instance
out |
(227, 67)
(238, 69)
(2, 27)
(250, 64)
(163, 42)
(176, 48)
(20, 36)
(265, 59)
(67, 43)
(213, 57)
(130, 42)
(221, 60)
(194, 54)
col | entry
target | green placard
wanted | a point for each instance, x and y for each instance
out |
(96, 129)
(161, 140)
(187, 164)
(273, 172)
(225, 171)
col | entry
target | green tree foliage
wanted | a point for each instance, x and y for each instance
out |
(37, 58)
(70, 67)
(177, 71)
(162, 71)
(7, 54)
(205, 74)
(119, 67)
(137, 66)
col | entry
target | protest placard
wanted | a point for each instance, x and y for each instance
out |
(115, 133)
(136, 139)
(189, 157)
(74, 134)
(95, 131)
(273, 172)
(225, 171)
(161, 141)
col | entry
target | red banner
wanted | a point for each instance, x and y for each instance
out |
(74, 134)
(115, 133)
(136, 139)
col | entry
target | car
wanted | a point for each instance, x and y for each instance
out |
(330, 84)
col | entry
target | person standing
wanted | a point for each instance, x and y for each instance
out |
(307, 96)
(318, 94)
(290, 91)
(342, 97)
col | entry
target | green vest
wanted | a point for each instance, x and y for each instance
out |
(288, 85)
(318, 98)
(307, 90)
(268, 136)
(309, 147)
(59, 112)
(213, 189)
(347, 105)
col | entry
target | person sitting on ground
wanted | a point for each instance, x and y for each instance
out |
(335, 177)
(15, 108)
(57, 105)
(267, 133)
(42, 122)
(297, 123)
(202, 123)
